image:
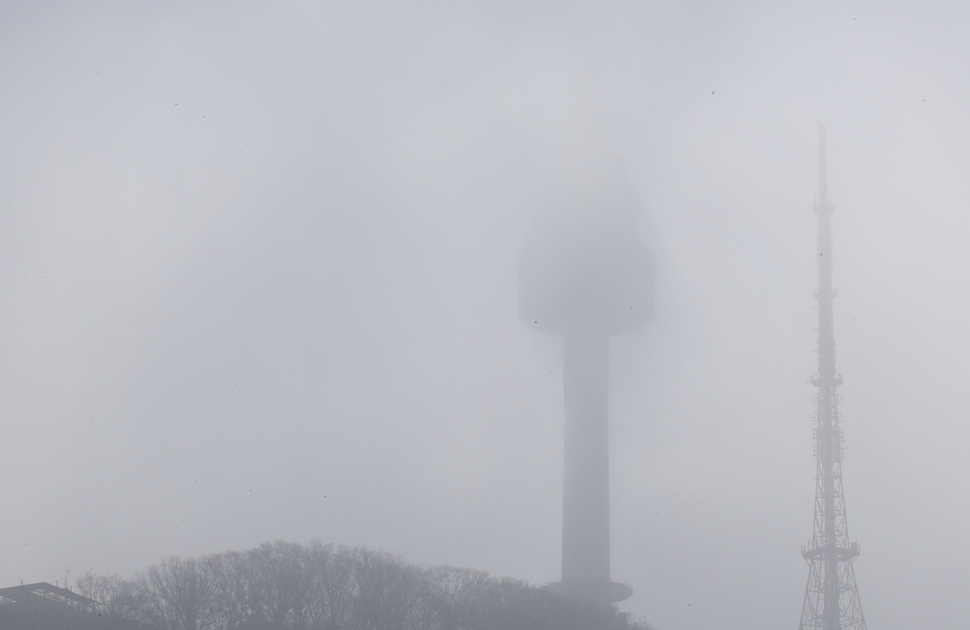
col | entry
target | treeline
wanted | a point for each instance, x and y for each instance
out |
(288, 586)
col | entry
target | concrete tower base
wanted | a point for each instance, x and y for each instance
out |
(599, 591)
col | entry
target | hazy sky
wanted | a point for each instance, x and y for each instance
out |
(258, 281)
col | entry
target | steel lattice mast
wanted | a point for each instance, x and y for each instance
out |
(831, 596)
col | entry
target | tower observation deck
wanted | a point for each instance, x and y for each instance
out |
(585, 276)
(831, 596)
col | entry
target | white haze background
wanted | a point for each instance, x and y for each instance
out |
(257, 281)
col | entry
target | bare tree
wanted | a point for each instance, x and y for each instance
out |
(118, 595)
(179, 595)
(385, 591)
(286, 586)
(235, 593)
(332, 577)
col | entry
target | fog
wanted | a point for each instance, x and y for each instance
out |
(258, 281)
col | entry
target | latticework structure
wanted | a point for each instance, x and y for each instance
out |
(831, 596)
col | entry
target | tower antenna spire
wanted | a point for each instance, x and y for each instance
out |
(831, 595)
(823, 188)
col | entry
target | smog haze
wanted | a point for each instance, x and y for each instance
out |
(258, 281)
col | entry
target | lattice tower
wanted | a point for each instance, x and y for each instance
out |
(831, 595)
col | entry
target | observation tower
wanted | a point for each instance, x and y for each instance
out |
(585, 275)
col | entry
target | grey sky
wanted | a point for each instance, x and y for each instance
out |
(258, 281)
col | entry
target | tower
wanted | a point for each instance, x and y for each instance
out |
(831, 596)
(585, 275)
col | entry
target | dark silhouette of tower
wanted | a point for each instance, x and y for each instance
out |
(586, 276)
(831, 596)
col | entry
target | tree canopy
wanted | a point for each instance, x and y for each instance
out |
(290, 586)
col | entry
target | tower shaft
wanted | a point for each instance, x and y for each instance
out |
(831, 596)
(586, 459)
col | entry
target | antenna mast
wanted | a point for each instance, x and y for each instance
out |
(831, 596)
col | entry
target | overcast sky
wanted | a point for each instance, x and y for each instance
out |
(258, 281)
